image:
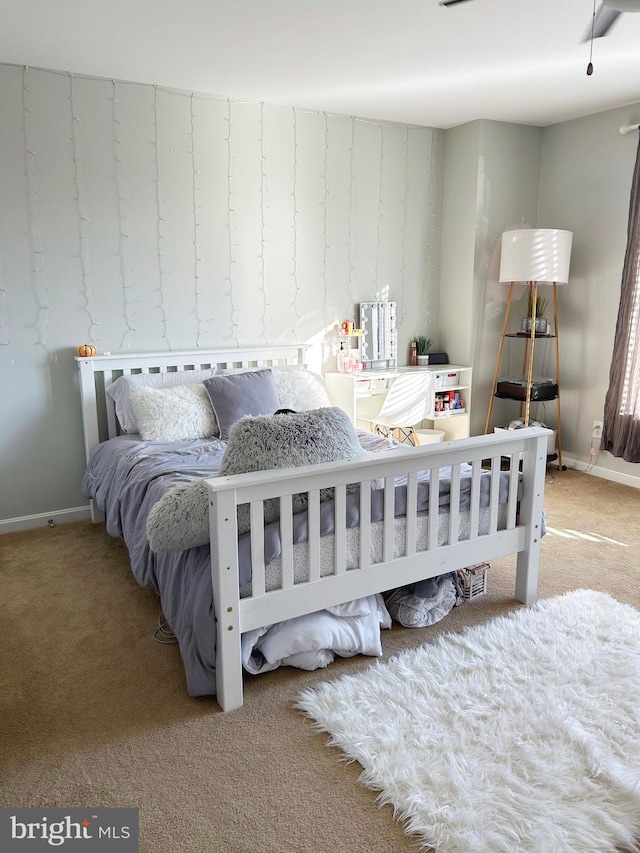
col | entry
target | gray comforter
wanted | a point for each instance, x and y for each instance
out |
(126, 476)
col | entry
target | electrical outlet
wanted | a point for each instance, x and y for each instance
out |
(597, 429)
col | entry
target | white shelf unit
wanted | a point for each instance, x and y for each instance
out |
(361, 395)
(455, 423)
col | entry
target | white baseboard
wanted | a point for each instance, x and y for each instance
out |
(604, 473)
(44, 519)
(80, 513)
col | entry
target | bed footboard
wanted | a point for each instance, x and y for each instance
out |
(503, 475)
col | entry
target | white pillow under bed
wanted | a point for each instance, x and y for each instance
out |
(123, 388)
(183, 413)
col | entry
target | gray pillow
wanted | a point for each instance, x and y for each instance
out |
(180, 519)
(240, 394)
(288, 441)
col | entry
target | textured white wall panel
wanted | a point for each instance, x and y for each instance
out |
(139, 218)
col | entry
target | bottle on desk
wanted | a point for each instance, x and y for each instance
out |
(413, 354)
(341, 358)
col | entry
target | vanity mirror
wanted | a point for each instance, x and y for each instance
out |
(379, 350)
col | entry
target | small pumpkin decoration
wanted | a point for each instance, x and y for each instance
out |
(86, 350)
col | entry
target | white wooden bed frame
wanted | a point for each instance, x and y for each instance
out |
(526, 449)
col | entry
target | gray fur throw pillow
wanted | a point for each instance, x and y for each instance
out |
(180, 519)
(288, 441)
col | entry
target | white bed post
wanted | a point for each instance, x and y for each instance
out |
(534, 471)
(225, 582)
(89, 419)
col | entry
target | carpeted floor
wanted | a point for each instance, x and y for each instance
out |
(94, 712)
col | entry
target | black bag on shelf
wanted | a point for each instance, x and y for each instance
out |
(516, 389)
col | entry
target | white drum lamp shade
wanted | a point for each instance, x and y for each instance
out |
(536, 254)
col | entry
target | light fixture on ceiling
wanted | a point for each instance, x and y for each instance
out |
(604, 17)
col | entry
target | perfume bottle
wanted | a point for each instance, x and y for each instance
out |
(341, 357)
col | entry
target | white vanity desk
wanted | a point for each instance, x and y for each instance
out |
(361, 395)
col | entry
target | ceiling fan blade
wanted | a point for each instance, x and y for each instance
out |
(623, 5)
(605, 18)
(452, 2)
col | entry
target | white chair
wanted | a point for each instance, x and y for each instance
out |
(406, 403)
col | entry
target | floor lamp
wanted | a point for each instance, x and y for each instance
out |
(534, 256)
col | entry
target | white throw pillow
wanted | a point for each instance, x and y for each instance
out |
(300, 390)
(122, 389)
(182, 413)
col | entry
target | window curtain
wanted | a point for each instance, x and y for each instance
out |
(621, 427)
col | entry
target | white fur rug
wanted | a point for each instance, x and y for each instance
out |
(519, 735)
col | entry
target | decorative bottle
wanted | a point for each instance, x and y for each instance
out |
(413, 354)
(342, 358)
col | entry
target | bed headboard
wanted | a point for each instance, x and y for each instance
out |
(100, 371)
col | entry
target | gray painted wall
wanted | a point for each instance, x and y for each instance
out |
(575, 175)
(585, 181)
(458, 240)
(492, 171)
(139, 219)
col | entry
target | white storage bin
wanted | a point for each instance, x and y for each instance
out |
(447, 379)
(429, 436)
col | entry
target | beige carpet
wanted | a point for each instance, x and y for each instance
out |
(95, 713)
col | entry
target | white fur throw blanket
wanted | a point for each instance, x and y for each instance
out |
(180, 519)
